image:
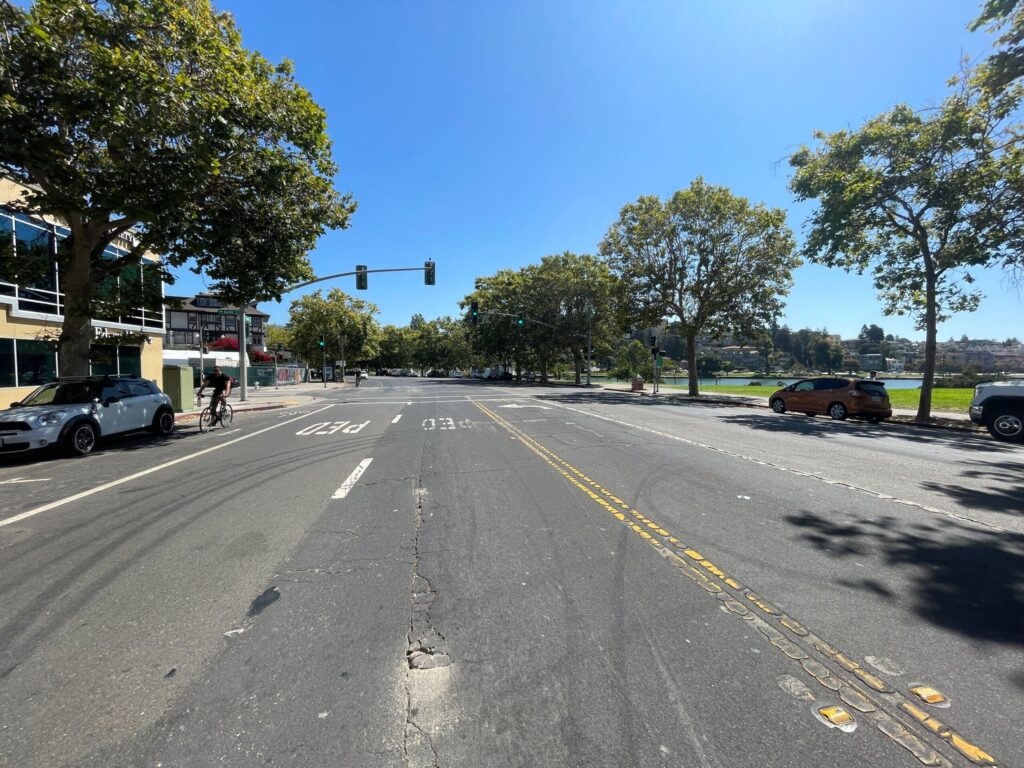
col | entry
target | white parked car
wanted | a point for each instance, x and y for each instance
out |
(73, 413)
(999, 406)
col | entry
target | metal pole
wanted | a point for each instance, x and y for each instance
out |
(589, 350)
(241, 355)
(275, 369)
(323, 364)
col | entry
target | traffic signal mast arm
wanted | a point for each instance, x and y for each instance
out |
(291, 288)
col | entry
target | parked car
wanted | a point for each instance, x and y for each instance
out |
(999, 406)
(74, 413)
(838, 397)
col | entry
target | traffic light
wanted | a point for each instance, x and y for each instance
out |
(361, 279)
(474, 312)
(654, 346)
(323, 343)
(519, 319)
(428, 273)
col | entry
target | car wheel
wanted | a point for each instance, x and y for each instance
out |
(779, 405)
(1007, 426)
(837, 411)
(163, 422)
(80, 439)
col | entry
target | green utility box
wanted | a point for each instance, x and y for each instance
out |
(178, 386)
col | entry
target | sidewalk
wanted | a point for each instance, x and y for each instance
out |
(268, 398)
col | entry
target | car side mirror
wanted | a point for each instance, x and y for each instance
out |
(16, 404)
(791, 388)
(110, 401)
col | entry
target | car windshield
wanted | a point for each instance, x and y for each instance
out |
(66, 393)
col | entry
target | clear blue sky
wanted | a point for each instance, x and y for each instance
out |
(485, 135)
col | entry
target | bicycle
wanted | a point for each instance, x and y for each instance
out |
(206, 417)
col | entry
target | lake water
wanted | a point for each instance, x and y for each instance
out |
(770, 384)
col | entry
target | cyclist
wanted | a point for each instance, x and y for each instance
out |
(359, 375)
(220, 383)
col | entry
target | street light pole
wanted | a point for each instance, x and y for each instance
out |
(276, 350)
(242, 373)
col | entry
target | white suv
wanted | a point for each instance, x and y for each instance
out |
(999, 405)
(74, 413)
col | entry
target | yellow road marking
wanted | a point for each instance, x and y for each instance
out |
(886, 724)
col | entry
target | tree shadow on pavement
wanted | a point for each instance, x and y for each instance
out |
(823, 428)
(966, 579)
(1003, 487)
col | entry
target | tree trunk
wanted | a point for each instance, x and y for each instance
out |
(544, 369)
(924, 407)
(691, 363)
(577, 361)
(77, 287)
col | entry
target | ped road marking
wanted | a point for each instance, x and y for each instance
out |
(151, 470)
(350, 483)
(870, 695)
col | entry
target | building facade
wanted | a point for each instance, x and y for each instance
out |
(187, 319)
(32, 307)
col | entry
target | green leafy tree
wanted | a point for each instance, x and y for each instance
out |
(348, 326)
(148, 120)
(278, 335)
(395, 349)
(707, 259)
(1006, 65)
(871, 333)
(921, 199)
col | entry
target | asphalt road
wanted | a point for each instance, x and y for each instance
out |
(451, 573)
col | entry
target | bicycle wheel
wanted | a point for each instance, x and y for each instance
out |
(205, 420)
(226, 414)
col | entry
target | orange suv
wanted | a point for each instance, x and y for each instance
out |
(838, 397)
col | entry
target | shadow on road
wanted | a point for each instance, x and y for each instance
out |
(967, 580)
(1003, 482)
(824, 429)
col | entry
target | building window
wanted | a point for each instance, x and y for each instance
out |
(6, 255)
(33, 267)
(37, 362)
(7, 377)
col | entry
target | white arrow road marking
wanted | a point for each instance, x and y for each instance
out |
(349, 484)
(24, 480)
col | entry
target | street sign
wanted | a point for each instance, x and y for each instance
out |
(227, 311)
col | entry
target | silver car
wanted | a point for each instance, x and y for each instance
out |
(74, 413)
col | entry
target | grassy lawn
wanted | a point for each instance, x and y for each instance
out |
(950, 400)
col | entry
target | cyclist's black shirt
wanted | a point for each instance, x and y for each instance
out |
(219, 383)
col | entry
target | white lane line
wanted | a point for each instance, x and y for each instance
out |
(784, 468)
(24, 480)
(395, 420)
(350, 483)
(151, 470)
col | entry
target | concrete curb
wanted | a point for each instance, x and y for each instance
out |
(194, 415)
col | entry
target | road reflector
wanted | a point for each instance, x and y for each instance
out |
(836, 717)
(927, 694)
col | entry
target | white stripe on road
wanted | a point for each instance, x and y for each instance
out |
(350, 483)
(151, 470)
(395, 420)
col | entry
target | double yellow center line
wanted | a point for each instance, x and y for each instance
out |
(867, 693)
